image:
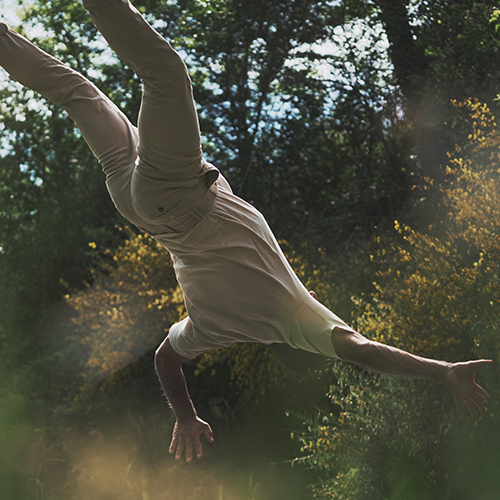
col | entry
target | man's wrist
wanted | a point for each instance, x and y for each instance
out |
(441, 372)
(186, 418)
(184, 415)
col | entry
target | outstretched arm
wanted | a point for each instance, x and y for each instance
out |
(188, 426)
(458, 377)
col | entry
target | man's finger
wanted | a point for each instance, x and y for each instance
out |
(173, 444)
(197, 446)
(480, 405)
(481, 363)
(482, 393)
(209, 434)
(180, 448)
(485, 362)
(189, 452)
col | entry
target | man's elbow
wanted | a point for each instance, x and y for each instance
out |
(351, 346)
(165, 356)
(159, 355)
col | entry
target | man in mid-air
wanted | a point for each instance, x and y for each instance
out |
(237, 284)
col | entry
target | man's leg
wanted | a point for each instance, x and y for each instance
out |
(109, 134)
(168, 123)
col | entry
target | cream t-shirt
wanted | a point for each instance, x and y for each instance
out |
(239, 287)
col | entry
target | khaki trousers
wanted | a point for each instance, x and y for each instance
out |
(155, 173)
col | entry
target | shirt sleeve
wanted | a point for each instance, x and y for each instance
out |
(189, 343)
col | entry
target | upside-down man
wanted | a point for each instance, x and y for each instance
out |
(237, 284)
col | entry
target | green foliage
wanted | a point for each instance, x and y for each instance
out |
(51, 192)
(495, 18)
(127, 309)
(321, 114)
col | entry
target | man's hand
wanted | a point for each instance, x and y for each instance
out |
(186, 435)
(460, 378)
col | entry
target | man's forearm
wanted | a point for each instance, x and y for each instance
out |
(385, 359)
(173, 383)
(392, 361)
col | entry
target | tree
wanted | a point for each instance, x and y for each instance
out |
(53, 201)
(440, 51)
(273, 123)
